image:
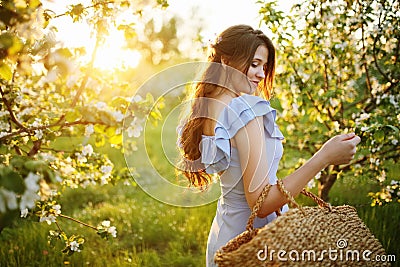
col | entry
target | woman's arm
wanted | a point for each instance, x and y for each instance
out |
(250, 142)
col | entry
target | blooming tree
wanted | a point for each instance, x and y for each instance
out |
(49, 98)
(339, 71)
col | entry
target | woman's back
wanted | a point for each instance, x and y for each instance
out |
(218, 154)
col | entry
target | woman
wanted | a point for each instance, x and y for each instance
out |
(231, 131)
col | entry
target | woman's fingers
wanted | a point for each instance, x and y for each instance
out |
(342, 148)
(347, 136)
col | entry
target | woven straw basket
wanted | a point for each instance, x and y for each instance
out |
(304, 236)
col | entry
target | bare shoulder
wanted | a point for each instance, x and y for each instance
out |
(252, 131)
(215, 106)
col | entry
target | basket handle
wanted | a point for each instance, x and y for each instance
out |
(288, 196)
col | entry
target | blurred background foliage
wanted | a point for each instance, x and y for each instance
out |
(63, 111)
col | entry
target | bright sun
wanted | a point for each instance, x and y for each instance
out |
(112, 54)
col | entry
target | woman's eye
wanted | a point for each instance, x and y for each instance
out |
(254, 65)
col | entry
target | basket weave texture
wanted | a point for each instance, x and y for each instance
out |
(304, 236)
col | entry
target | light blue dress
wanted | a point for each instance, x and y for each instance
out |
(218, 155)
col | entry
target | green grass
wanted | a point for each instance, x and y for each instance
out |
(151, 233)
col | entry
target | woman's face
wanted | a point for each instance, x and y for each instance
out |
(240, 83)
(256, 70)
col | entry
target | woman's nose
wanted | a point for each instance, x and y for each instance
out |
(260, 73)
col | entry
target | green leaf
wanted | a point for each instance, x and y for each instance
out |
(116, 139)
(379, 136)
(5, 72)
(72, 115)
(394, 128)
(100, 141)
(35, 165)
(11, 180)
(34, 3)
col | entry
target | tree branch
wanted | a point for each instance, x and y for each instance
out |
(316, 107)
(88, 7)
(77, 221)
(368, 79)
(43, 127)
(364, 158)
(303, 84)
(9, 109)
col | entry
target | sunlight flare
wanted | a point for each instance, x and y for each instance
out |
(112, 54)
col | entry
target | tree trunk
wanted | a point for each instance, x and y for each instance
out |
(325, 184)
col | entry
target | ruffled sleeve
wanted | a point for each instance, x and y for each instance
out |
(216, 150)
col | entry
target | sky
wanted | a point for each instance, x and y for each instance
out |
(217, 15)
(212, 15)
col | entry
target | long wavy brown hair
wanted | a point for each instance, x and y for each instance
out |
(236, 45)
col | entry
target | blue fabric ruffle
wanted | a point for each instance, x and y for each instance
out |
(216, 150)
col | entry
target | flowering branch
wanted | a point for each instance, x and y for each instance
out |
(63, 124)
(75, 220)
(9, 109)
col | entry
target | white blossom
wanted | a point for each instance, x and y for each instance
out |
(106, 169)
(28, 199)
(57, 209)
(382, 177)
(392, 101)
(295, 109)
(74, 246)
(4, 126)
(118, 115)
(110, 229)
(31, 182)
(101, 105)
(336, 126)
(47, 217)
(113, 231)
(50, 77)
(106, 223)
(24, 213)
(135, 128)
(89, 129)
(4, 113)
(364, 116)
(67, 169)
(10, 198)
(72, 80)
(38, 134)
(47, 156)
(341, 46)
(36, 122)
(311, 183)
(81, 158)
(87, 150)
(137, 98)
(334, 102)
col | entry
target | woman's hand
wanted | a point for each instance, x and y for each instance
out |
(339, 149)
